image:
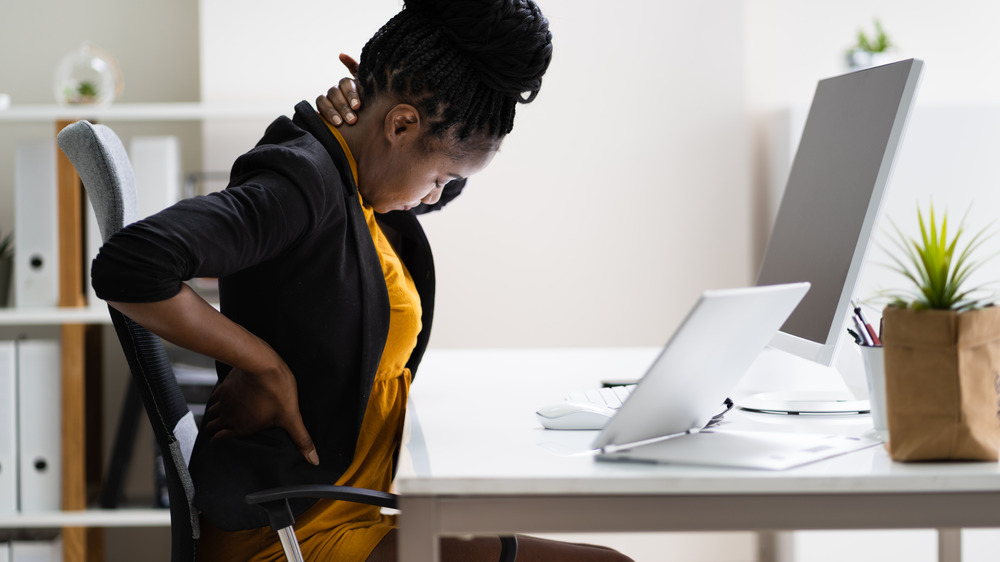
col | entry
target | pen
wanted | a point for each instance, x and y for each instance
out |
(857, 338)
(865, 336)
(867, 327)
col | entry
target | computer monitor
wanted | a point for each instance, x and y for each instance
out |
(832, 200)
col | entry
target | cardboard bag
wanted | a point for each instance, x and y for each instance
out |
(942, 371)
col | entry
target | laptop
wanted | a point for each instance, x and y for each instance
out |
(664, 418)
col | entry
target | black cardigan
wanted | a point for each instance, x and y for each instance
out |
(297, 267)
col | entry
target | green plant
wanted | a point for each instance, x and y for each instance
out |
(87, 89)
(937, 269)
(878, 44)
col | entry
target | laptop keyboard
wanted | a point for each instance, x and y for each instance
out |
(611, 396)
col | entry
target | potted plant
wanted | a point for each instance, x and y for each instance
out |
(6, 266)
(86, 92)
(88, 75)
(941, 341)
(870, 51)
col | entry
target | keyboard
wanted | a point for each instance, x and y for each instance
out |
(610, 396)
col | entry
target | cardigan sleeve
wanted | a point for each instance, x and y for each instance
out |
(277, 194)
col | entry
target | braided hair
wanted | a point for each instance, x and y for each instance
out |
(465, 64)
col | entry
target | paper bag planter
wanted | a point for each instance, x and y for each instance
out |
(942, 369)
(942, 353)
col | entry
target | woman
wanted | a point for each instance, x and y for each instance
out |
(326, 279)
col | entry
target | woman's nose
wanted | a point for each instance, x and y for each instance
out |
(433, 197)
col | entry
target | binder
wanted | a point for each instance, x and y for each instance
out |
(36, 550)
(39, 425)
(36, 258)
(8, 430)
(156, 165)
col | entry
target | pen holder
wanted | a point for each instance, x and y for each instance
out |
(873, 358)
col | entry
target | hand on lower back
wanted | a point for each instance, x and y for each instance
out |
(245, 403)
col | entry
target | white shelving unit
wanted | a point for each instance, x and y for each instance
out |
(126, 517)
(72, 318)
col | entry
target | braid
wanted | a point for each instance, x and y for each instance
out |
(465, 64)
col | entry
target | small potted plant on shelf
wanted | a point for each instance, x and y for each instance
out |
(88, 75)
(6, 266)
(941, 341)
(870, 51)
(85, 92)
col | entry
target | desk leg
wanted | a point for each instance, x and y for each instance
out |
(949, 545)
(775, 546)
(418, 530)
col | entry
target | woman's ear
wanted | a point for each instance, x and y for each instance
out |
(402, 124)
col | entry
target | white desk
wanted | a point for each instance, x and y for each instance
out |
(477, 462)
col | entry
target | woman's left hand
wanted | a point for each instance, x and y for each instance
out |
(341, 102)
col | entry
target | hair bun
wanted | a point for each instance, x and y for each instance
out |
(507, 41)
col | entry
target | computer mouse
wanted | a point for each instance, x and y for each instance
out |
(574, 415)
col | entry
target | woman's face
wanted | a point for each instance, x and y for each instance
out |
(412, 176)
(411, 170)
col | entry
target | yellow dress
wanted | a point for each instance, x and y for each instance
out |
(345, 531)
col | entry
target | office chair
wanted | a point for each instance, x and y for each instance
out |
(102, 163)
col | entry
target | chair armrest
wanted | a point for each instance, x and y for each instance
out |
(343, 493)
(275, 500)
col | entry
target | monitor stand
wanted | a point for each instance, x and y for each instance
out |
(782, 383)
(804, 402)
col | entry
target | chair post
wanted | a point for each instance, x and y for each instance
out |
(290, 544)
(279, 514)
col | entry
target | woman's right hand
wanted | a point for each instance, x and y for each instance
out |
(245, 403)
(339, 104)
(260, 392)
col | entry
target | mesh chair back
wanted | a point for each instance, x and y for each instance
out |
(100, 158)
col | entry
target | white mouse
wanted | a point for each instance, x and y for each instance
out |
(574, 415)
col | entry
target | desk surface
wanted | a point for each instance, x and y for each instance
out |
(473, 429)
(476, 461)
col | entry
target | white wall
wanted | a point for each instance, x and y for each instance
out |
(790, 44)
(620, 195)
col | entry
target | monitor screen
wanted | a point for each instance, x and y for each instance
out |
(832, 199)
